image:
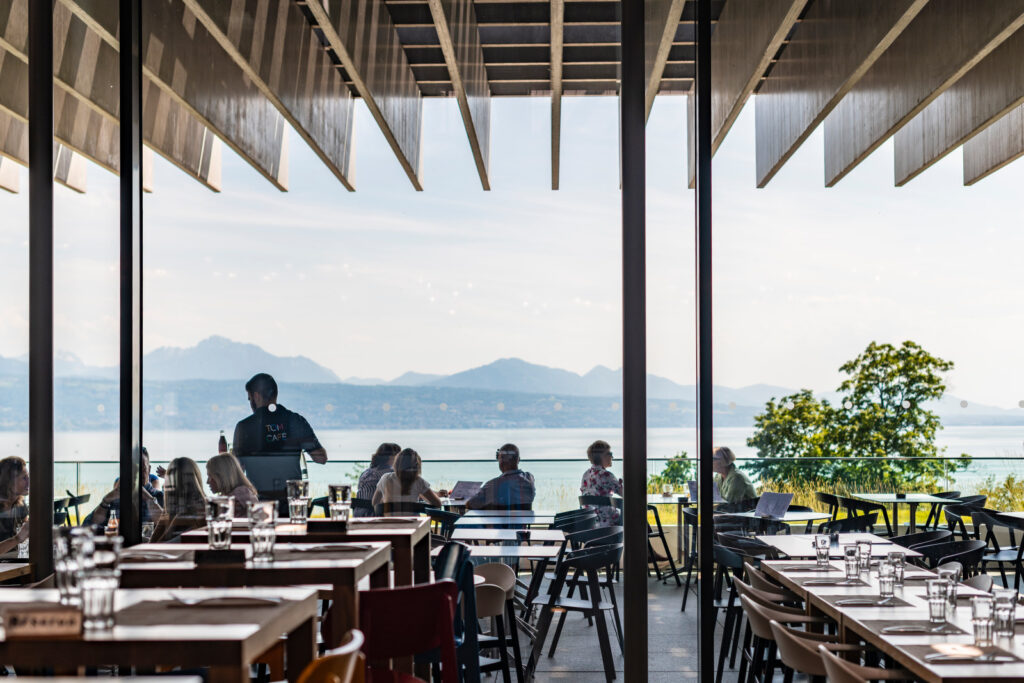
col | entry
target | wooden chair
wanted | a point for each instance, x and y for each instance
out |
(339, 665)
(841, 671)
(502, 576)
(798, 650)
(762, 657)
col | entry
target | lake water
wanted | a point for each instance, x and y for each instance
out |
(87, 461)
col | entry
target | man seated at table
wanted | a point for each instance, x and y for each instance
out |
(513, 488)
(152, 498)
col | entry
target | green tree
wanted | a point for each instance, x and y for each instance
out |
(881, 415)
(677, 471)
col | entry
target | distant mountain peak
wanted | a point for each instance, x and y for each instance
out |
(219, 358)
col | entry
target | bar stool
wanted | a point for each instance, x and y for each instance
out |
(502, 576)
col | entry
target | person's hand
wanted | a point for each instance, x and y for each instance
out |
(442, 493)
(22, 533)
(114, 494)
(160, 471)
(319, 458)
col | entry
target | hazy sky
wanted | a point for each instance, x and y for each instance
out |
(384, 280)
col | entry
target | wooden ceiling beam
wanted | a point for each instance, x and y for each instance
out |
(990, 90)
(661, 21)
(557, 46)
(998, 145)
(274, 46)
(455, 22)
(365, 41)
(830, 50)
(946, 40)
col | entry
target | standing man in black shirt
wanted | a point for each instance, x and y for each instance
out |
(272, 428)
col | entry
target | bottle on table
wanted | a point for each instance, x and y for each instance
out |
(222, 443)
(112, 523)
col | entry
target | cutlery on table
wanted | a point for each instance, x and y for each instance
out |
(993, 658)
(922, 630)
(866, 602)
(225, 601)
(833, 582)
(330, 548)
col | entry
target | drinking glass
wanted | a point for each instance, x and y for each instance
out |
(100, 580)
(981, 618)
(821, 548)
(1004, 612)
(147, 531)
(262, 532)
(339, 501)
(886, 579)
(22, 545)
(852, 559)
(952, 578)
(898, 560)
(220, 512)
(937, 601)
(864, 553)
(68, 545)
(666, 490)
(298, 500)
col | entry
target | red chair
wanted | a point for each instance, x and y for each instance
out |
(401, 622)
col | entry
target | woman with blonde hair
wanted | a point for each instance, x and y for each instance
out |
(732, 484)
(13, 511)
(405, 484)
(225, 477)
(184, 500)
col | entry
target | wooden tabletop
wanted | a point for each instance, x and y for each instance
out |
(507, 522)
(916, 498)
(498, 535)
(907, 650)
(802, 545)
(507, 552)
(13, 570)
(154, 629)
(505, 513)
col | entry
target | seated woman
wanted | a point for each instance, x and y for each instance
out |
(184, 501)
(405, 485)
(13, 511)
(598, 481)
(732, 484)
(225, 477)
(380, 464)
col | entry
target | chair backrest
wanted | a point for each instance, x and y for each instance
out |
(61, 504)
(509, 506)
(955, 520)
(985, 526)
(446, 520)
(575, 512)
(749, 547)
(320, 502)
(922, 538)
(974, 501)
(578, 539)
(968, 553)
(397, 509)
(409, 620)
(498, 574)
(760, 616)
(490, 601)
(841, 671)
(575, 524)
(450, 560)
(760, 580)
(799, 649)
(593, 558)
(830, 502)
(982, 582)
(765, 598)
(339, 665)
(849, 524)
(726, 557)
(947, 494)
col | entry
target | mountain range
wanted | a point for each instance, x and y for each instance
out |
(220, 359)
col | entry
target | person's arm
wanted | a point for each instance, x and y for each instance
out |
(154, 507)
(318, 455)
(479, 499)
(9, 544)
(102, 511)
(378, 497)
(431, 498)
(309, 442)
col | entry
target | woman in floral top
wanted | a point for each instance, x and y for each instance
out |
(598, 481)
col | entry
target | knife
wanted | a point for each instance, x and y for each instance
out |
(987, 659)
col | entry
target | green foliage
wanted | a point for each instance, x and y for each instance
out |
(677, 471)
(881, 416)
(1007, 494)
(354, 470)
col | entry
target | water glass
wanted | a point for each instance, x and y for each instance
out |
(339, 501)
(952, 579)
(100, 580)
(666, 490)
(1004, 612)
(898, 560)
(147, 531)
(852, 559)
(297, 488)
(298, 510)
(937, 601)
(864, 553)
(981, 618)
(886, 580)
(821, 548)
(220, 511)
(262, 532)
(69, 543)
(22, 545)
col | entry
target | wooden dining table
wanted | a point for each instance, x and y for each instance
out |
(340, 565)
(14, 570)
(159, 628)
(909, 651)
(409, 538)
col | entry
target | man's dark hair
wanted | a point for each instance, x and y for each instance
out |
(262, 384)
(508, 453)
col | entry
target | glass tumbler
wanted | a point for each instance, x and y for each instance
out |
(852, 561)
(100, 580)
(262, 532)
(937, 601)
(981, 619)
(69, 543)
(339, 501)
(864, 553)
(952, 579)
(298, 500)
(220, 511)
(821, 547)
(1004, 612)
(886, 580)
(898, 560)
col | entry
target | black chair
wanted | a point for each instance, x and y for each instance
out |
(831, 503)
(60, 509)
(510, 506)
(589, 561)
(690, 537)
(399, 509)
(568, 514)
(923, 538)
(856, 508)
(658, 532)
(967, 553)
(362, 507)
(443, 520)
(728, 568)
(977, 501)
(955, 521)
(936, 508)
(751, 549)
(75, 501)
(321, 503)
(573, 524)
(848, 525)
(987, 524)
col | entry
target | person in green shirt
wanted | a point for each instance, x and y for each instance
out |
(732, 484)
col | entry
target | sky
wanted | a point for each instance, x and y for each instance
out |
(386, 279)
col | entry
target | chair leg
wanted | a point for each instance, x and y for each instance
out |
(756, 659)
(499, 623)
(616, 622)
(723, 648)
(602, 626)
(517, 656)
(558, 634)
(736, 639)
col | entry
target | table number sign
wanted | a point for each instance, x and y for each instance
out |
(41, 621)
